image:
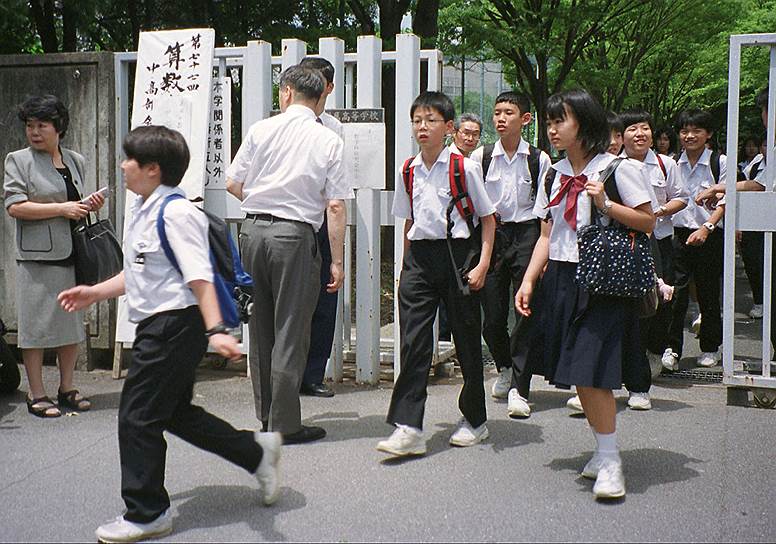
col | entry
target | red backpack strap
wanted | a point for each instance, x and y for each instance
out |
(458, 190)
(408, 175)
(662, 166)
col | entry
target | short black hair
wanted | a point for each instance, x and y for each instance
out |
(668, 131)
(436, 101)
(632, 117)
(614, 122)
(594, 130)
(162, 145)
(762, 99)
(322, 65)
(520, 100)
(48, 108)
(695, 118)
(305, 81)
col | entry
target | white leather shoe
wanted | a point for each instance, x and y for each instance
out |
(404, 441)
(610, 482)
(575, 405)
(466, 435)
(670, 360)
(708, 359)
(502, 384)
(639, 401)
(592, 467)
(267, 473)
(121, 530)
(517, 406)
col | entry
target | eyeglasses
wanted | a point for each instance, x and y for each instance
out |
(470, 134)
(428, 122)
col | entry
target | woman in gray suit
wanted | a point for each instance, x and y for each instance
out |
(43, 187)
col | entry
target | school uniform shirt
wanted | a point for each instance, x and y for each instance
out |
(508, 181)
(333, 124)
(759, 175)
(666, 187)
(696, 179)
(152, 283)
(431, 197)
(632, 185)
(454, 149)
(290, 166)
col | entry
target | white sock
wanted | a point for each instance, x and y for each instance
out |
(607, 446)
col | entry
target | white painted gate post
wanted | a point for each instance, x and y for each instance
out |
(293, 52)
(369, 77)
(407, 88)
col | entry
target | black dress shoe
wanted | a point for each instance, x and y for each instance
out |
(305, 434)
(316, 390)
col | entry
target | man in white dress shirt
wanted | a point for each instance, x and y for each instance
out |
(288, 173)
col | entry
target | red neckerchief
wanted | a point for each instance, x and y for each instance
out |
(573, 185)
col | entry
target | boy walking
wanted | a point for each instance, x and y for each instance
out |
(438, 232)
(177, 314)
(513, 171)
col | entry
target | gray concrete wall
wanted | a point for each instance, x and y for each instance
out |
(85, 84)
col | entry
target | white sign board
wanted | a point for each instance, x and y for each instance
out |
(172, 88)
(219, 151)
(364, 137)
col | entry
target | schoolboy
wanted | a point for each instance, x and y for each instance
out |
(510, 184)
(428, 275)
(176, 313)
(466, 138)
(697, 241)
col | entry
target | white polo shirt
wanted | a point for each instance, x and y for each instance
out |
(508, 181)
(631, 184)
(696, 179)
(333, 124)
(290, 166)
(153, 284)
(431, 197)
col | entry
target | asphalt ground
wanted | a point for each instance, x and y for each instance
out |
(696, 469)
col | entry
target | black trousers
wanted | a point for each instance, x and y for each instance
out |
(427, 277)
(324, 316)
(654, 330)
(157, 397)
(751, 248)
(703, 264)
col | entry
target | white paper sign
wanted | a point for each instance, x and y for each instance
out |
(364, 156)
(219, 151)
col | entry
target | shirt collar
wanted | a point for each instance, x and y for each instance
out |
(160, 192)
(596, 164)
(443, 157)
(498, 149)
(704, 159)
(454, 149)
(300, 110)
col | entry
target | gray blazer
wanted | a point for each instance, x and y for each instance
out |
(30, 175)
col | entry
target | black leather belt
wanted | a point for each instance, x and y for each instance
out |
(271, 218)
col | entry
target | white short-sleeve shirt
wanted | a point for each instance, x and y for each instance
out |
(696, 179)
(290, 166)
(758, 176)
(153, 285)
(508, 181)
(431, 196)
(632, 185)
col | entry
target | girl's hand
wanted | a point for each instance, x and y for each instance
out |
(523, 299)
(596, 191)
(477, 277)
(76, 298)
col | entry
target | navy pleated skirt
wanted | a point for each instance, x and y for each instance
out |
(579, 339)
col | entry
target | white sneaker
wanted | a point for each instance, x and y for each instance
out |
(756, 312)
(575, 405)
(592, 467)
(639, 401)
(670, 360)
(610, 482)
(121, 530)
(517, 406)
(267, 473)
(502, 384)
(655, 364)
(708, 359)
(696, 325)
(466, 435)
(404, 441)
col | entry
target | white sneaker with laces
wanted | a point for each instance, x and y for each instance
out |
(517, 406)
(696, 325)
(575, 405)
(121, 530)
(610, 482)
(639, 401)
(404, 441)
(708, 359)
(756, 312)
(670, 360)
(502, 384)
(267, 473)
(592, 467)
(466, 435)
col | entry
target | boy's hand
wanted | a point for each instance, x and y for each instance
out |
(337, 277)
(698, 237)
(77, 298)
(477, 277)
(523, 299)
(226, 346)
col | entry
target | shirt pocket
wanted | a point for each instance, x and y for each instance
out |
(525, 192)
(145, 253)
(660, 189)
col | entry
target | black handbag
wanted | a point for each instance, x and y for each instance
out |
(613, 259)
(96, 251)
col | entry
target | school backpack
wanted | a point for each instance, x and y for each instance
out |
(534, 154)
(234, 286)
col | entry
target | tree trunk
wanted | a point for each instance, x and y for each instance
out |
(425, 22)
(43, 15)
(69, 25)
(134, 23)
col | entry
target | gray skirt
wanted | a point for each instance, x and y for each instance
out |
(42, 321)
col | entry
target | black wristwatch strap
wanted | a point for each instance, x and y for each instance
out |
(218, 329)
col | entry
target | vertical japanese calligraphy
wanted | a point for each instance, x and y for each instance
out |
(219, 146)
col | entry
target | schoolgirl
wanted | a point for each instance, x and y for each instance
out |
(581, 339)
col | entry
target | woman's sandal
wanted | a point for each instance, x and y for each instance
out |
(42, 407)
(74, 400)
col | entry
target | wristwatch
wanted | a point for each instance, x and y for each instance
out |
(709, 226)
(663, 210)
(218, 329)
(607, 207)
